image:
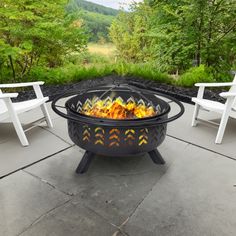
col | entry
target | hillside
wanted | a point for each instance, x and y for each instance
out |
(93, 7)
(97, 25)
(97, 18)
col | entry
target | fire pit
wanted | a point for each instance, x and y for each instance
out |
(117, 119)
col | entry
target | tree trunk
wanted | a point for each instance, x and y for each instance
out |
(210, 31)
(200, 32)
(25, 66)
(12, 68)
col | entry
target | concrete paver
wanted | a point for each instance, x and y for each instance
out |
(71, 219)
(196, 196)
(193, 194)
(59, 129)
(13, 156)
(23, 200)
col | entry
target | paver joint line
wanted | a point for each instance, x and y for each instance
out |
(207, 149)
(127, 220)
(106, 220)
(43, 215)
(46, 182)
(45, 158)
(120, 230)
(57, 136)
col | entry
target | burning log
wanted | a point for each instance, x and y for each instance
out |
(117, 109)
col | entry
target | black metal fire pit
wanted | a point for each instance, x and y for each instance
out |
(117, 137)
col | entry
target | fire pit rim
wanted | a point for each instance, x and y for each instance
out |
(162, 113)
(147, 122)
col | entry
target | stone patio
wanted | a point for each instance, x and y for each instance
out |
(193, 194)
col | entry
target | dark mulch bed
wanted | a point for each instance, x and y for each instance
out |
(183, 94)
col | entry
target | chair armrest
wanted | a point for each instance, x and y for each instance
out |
(8, 95)
(36, 86)
(215, 84)
(227, 94)
(18, 85)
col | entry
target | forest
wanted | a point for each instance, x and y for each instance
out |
(179, 42)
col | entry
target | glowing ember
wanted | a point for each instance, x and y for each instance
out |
(117, 109)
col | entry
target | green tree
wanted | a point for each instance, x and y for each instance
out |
(179, 33)
(36, 33)
(129, 32)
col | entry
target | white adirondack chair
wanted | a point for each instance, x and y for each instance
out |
(11, 110)
(226, 110)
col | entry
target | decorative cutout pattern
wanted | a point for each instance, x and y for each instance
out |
(99, 136)
(86, 133)
(143, 138)
(130, 136)
(118, 138)
(114, 137)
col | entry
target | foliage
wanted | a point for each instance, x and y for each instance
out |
(92, 64)
(178, 34)
(68, 73)
(141, 70)
(129, 34)
(89, 65)
(36, 33)
(195, 75)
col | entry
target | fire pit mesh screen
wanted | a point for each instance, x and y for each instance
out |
(113, 107)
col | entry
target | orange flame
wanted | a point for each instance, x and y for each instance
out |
(117, 109)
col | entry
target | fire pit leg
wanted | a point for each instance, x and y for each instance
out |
(156, 157)
(85, 162)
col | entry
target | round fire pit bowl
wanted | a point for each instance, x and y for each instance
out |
(117, 137)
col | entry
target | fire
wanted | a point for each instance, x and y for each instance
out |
(117, 109)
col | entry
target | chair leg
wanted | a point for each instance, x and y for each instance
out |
(224, 119)
(222, 127)
(195, 114)
(19, 130)
(46, 115)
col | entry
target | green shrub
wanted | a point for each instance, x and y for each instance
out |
(220, 76)
(74, 73)
(6, 76)
(195, 75)
(144, 70)
(67, 74)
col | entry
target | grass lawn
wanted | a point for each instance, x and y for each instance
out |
(107, 50)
